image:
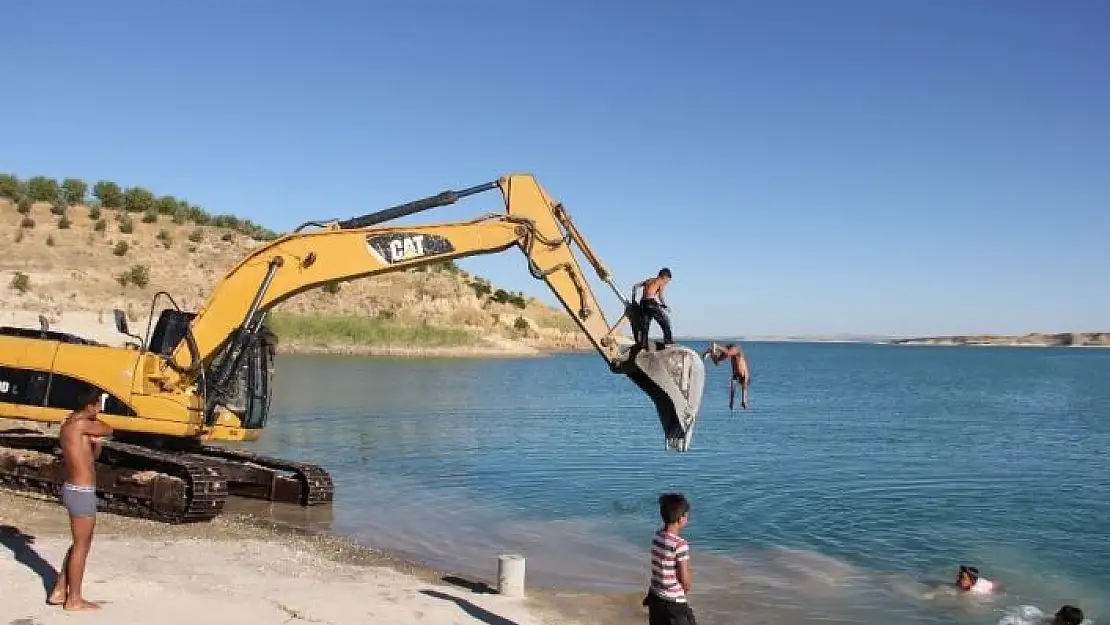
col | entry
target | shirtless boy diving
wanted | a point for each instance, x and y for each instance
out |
(739, 370)
(80, 437)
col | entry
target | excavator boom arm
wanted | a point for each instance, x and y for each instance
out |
(673, 376)
(353, 249)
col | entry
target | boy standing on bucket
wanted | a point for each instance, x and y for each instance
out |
(80, 438)
(653, 306)
(670, 566)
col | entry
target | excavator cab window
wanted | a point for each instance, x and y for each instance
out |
(169, 331)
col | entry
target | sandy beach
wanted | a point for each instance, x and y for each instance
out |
(238, 570)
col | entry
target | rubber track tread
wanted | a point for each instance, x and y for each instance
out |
(202, 498)
(317, 485)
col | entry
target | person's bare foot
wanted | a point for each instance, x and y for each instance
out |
(58, 597)
(80, 604)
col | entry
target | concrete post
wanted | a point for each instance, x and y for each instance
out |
(510, 575)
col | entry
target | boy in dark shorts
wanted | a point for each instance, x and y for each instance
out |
(80, 438)
(654, 306)
(671, 579)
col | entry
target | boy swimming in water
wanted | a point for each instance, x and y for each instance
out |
(968, 580)
(1068, 615)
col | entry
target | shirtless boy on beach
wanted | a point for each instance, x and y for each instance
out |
(80, 437)
(739, 370)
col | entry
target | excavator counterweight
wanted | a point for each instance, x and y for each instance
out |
(203, 376)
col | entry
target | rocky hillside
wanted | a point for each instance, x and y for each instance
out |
(76, 263)
(1067, 339)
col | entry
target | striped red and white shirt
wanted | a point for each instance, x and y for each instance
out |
(667, 550)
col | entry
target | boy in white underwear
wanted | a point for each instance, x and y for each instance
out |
(80, 438)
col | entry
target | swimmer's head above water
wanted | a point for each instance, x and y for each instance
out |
(967, 577)
(968, 580)
(1068, 615)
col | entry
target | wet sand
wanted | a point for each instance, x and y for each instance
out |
(240, 568)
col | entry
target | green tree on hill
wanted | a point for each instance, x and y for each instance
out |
(199, 216)
(181, 213)
(133, 200)
(166, 205)
(226, 221)
(75, 190)
(108, 193)
(11, 187)
(42, 189)
(138, 200)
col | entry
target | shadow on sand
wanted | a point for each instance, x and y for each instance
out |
(476, 587)
(20, 546)
(474, 611)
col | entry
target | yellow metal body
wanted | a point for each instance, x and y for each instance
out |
(163, 400)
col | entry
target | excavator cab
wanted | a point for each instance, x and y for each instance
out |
(247, 389)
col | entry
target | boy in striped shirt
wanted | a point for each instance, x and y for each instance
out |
(670, 566)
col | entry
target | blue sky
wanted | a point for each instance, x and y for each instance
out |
(803, 167)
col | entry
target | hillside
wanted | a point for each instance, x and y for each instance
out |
(77, 266)
(1067, 339)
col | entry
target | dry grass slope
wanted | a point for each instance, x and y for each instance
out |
(82, 268)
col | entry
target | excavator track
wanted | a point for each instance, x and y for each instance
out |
(274, 479)
(132, 480)
(167, 485)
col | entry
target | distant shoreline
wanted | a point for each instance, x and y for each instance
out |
(1073, 339)
(415, 351)
(516, 350)
(309, 335)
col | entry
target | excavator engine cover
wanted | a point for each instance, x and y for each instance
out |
(674, 377)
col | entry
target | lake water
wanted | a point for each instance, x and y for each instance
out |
(859, 480)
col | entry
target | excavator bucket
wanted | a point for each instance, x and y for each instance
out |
(674, 377)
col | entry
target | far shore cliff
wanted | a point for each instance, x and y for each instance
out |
(1065, 339)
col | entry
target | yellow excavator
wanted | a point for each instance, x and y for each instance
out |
(204, 377)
